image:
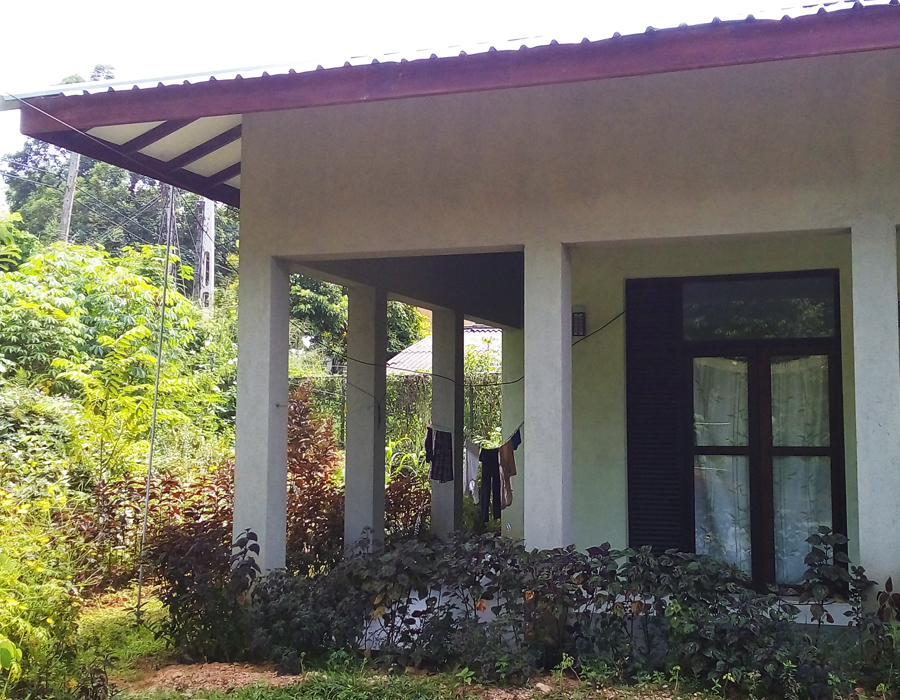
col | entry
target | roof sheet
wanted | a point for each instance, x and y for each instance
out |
(416, 359)
(474, 48)
(186, 130)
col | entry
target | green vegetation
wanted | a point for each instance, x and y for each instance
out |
(346, 685)
(79, 330)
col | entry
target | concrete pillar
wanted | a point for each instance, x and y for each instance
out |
(260, 474)
(548, 396)
(366, 386)
(447, 392)
(512, 400)
(876, 363)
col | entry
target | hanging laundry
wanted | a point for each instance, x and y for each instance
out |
(516, 438)
(471, 483)
(429, 445)
(507, 472)
(489, 502)
(439, 453)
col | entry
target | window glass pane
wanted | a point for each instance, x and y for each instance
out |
(800, 401)
(722, 508)
(801, 307)
(802, 504)
(720, 401)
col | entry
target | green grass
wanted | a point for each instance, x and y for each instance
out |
(344, 686)
(109, 636)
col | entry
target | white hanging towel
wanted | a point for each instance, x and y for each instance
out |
(471, 483)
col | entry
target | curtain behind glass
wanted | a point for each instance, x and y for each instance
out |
(721, 482)
(802, 483)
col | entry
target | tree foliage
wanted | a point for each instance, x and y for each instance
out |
(114, 208)
(320, 309)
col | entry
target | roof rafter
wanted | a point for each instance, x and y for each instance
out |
(155, 134)
(205, 148)
(224, 175)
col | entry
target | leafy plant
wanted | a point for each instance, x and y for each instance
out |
(205, 589)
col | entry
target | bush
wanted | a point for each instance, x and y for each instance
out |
(206, 602)
(40, 606)
(315, 498)
(37, 438)
(486, 604)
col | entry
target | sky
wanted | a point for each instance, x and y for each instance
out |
(48, 40)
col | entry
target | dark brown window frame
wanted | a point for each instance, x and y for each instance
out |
(760, 450)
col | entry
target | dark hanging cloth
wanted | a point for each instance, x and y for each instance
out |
(439, 453)
(429, 445)
(489, 501)
(516, 439)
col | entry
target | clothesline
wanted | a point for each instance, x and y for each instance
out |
(446, 429)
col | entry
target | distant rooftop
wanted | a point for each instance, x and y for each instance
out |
(416, 359)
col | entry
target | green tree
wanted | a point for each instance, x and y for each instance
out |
(320, 310)
(79, 323)
(114, 208)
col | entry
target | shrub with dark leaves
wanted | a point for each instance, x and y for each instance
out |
(205, 589)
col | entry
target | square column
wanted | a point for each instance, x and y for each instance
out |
(366, 388)
(447, 393)
(548, 396)
(260, 470)
(876, 369)
(512, 402)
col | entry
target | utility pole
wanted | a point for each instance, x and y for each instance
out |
(69, 197)
(102, 71)
(167, 219)
(204, 275)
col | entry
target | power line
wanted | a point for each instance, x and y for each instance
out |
(82, 191)
(115, 224)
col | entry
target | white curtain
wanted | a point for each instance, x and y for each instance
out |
(721, 482)
(802, 484)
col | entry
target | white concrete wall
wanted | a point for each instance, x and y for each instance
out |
(787, 146)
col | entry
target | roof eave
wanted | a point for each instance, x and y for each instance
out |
(662, 51)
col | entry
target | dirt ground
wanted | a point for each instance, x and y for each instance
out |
(199, 677)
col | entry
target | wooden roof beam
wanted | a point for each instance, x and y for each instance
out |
(205, 148)
(157, 133)
(223, 175)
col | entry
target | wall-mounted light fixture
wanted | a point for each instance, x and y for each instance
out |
(579, 322)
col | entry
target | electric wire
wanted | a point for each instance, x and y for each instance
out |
(114, 223)
(79, 191)
(159, 357)
(104, 234)
(605, 325)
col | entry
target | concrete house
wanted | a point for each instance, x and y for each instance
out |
(721, 201)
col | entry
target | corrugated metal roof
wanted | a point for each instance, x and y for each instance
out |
(324, 62)
(186, 129)
(416, 359)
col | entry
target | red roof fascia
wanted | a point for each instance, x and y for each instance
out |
(669, 50)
